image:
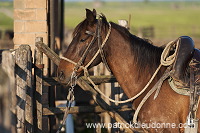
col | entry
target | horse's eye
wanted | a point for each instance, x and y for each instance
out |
(84, 39)
(62, 75)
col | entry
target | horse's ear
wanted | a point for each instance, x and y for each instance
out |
(90, 16)
(94, 13)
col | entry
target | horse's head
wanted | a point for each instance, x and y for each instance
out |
(86, 37)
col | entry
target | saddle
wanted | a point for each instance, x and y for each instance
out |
(185, 78)
(187, 58)
(184, 55)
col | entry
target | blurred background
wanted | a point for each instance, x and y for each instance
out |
(157, 20)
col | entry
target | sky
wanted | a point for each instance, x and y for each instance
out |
(129, 0)
(117, 0)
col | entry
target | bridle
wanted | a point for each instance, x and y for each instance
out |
(166, 60)
(96, 37)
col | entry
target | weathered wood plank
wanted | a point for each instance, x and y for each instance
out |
(5, 120)
(29, 94)
(24, 89)
(81, 109)
(48, 52)
(8, 65)
(38, 62)
(96, 79)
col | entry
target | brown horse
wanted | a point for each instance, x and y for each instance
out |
(132, 61)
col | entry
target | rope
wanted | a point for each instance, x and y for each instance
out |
(66, 59)
(130, 99)
(103, 43)
(155, 87)
(165, 60)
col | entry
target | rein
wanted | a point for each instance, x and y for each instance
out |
(166, 60)
(70, 97)
(70, 100)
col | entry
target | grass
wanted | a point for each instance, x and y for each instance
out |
(5, 21)
(6, 4)
(169, 19)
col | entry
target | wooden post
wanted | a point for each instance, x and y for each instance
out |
(8, 100)
(24, 89)
(5, 119)
(38, 61)
(52, 33)
(84, 85)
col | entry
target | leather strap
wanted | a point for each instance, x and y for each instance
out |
(96, 36)
(100, 47)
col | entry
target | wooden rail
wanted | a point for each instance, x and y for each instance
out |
(48, 52)
(112, 112)
(29, 97)
(82, 109)
(85, 86)
(96, 79)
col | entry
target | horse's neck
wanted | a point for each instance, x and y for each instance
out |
(121, 61)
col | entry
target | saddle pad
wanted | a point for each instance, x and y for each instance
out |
(194, 64)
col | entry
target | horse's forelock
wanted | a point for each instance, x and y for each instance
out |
(79, 27)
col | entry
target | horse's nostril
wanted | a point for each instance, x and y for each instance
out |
(61, 75)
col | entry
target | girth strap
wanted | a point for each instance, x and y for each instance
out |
(192, 121)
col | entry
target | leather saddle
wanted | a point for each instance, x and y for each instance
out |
(187, 59)
(186, 78)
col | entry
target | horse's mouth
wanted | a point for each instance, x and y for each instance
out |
(65, 82)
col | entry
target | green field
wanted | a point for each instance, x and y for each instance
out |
(6, 15)
(169, 19)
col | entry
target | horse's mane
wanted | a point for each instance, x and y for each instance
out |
(146, 54)
(79, 27)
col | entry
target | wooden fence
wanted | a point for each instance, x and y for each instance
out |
(7, 99)
(29, 95)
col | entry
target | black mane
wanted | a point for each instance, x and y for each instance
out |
(146, 54)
